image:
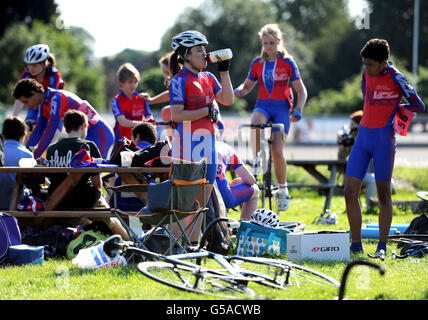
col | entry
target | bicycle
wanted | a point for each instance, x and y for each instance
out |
(265, 184)
(219, 275)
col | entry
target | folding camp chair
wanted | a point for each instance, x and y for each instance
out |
(171, 201)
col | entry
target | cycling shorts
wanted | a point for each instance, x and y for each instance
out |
(194, 147)
(378, 144)
(103, 136)
(276, 111)
(234, 195)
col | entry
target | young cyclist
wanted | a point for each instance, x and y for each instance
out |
(192, 93)
(54, 104)
(242, 190)
(273, 71)
(383, 87)
(128, 107)
(88, 192)
(41, 66)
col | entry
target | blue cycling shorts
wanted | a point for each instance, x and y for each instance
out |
(103, 136)
(276, 111)
(194, 147)
(234, 195)
(378, 144)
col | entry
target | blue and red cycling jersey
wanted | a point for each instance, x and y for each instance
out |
(52, 79)
(194, 91)
(133, 109)
(236, 194)
(195, 140)
(275, 97)
(274, 77)
(50, 116)
(383, 94)
(376, 136)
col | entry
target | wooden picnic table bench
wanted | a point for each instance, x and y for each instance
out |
(32, 177)
(327, 184)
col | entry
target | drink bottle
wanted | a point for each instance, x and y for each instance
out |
(219, 55)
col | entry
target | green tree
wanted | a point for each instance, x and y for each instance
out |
(13, 11)
(235, 25)
(73, 59)
(393, 20)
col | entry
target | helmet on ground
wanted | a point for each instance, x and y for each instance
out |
(265, 217)
(36, 53)
(188, 39)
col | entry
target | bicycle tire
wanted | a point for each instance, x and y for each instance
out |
(194, 279)
(283, 273)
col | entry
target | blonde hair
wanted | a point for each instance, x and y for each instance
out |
(127, 71)
(274, 31)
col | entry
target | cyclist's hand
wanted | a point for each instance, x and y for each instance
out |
(145, 96)
(223, 65)
(212, 113)
(296, 115)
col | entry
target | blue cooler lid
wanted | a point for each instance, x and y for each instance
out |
(24, 254)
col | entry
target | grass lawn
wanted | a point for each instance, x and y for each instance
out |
(404, 279)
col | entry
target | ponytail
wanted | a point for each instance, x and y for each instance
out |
(175, 64)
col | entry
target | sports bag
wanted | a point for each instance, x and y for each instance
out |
(256, 240)
(156, 155)
(10, 235)
(418, 225)
(123, 144)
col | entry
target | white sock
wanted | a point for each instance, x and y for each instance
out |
(283, 188)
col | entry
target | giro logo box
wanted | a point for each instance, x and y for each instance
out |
(318, 245)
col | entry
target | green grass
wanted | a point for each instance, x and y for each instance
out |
(404, 279)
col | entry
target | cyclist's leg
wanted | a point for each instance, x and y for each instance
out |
(383, 161)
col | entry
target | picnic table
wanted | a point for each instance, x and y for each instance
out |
(326, 185)
(32, 177)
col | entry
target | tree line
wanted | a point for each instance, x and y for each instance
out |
(321, 35)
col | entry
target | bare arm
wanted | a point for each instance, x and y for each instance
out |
(245, 175)
(178, 114)
(245, 88)
(225, 95)
(160, 98)
(302, 95)
(124, 122)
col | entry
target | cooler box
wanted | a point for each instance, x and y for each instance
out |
(318, 245)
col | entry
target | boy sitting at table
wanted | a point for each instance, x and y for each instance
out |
(88, 192)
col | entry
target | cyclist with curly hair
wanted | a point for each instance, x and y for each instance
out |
(383, 87)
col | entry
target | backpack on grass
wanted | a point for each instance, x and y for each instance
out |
(10, 235)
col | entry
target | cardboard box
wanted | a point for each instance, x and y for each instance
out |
(318, 245)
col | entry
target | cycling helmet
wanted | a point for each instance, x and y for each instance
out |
(265, 217)
(36, 53)
(188, 39)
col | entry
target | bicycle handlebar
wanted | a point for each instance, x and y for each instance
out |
(164, 123)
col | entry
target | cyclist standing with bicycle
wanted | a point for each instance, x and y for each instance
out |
(273, 71)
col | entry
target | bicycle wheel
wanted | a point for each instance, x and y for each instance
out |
(194, 279)
(281, 273)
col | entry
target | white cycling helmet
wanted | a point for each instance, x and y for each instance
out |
(188, 39)
(265, 217)
(36, 53)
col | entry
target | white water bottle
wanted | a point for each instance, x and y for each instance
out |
(219, 55)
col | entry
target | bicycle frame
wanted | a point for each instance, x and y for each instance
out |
(266, 184)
